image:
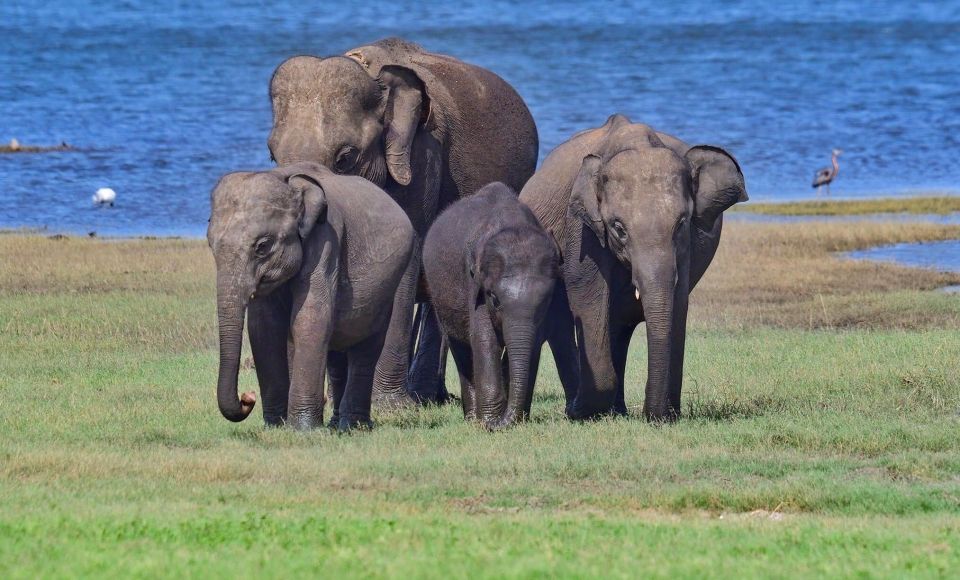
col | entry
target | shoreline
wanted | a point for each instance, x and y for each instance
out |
(943, 208)
(920, 204)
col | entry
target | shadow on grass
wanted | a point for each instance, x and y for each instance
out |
(722, 409)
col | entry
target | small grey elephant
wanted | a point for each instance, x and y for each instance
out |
(638, 216)
(319, 258)
(491, 271)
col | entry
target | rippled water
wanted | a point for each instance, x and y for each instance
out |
(163, 97)
(943, 256)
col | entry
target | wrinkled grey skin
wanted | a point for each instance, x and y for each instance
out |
(427, 128)
(317, 258)
(491, 271)
(638, 216)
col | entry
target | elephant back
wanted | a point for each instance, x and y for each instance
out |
(485, 127)
(547, 193)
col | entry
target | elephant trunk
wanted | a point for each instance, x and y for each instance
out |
(520, 337)
(231, 307)
(663, 295)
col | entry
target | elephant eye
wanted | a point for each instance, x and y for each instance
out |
(494, 301)
(346, 159)
(262, 247)
(619, 230)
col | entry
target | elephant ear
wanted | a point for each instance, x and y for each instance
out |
(406, 100)
(314, 201)
(585, 197)
(717, 182)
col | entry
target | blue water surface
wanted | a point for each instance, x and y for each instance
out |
(163, 97)
(943, 256)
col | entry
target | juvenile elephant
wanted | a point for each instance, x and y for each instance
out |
(427, 128)
(491, 270)
(638, 216)
(318, 258)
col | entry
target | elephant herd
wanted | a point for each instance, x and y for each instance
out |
(396, 191)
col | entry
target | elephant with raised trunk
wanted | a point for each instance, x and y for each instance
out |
(491, 271)
(638, 216)
(316, 258)
(427, 128)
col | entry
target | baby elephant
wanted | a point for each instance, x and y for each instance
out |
(316, 257)
(490, 270)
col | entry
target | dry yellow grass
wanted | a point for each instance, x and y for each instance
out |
(781, 275)
(940, 205)
(787, 275)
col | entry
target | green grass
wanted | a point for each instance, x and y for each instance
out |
(916, 205)
(805, 449)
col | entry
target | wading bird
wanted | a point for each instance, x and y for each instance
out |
(827, 174)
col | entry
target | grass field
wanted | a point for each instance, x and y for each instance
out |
(821, 435)
(938, 205)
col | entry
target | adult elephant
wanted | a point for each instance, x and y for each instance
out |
(638, 216)
(427, 128)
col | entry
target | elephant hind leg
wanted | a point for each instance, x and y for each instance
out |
(561, 336)
(337, 375)
(354, 408)
(620, 350)
(463, 358)
(426, 381)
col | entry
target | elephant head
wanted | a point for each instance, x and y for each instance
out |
(649, 204)
(333, 112)
(258, 222)
(513, 272)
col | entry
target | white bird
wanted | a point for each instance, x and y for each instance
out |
(104, 195)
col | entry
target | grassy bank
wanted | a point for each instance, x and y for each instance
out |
(821, 435)
(938, 205)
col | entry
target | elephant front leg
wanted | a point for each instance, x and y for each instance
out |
(269, 330)
(487, 369)
(421, 201)
(312, 327)
(597, 388)
(463, 358)
(389, 385)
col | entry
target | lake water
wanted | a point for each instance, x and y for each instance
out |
(943, 256)
(163, 97)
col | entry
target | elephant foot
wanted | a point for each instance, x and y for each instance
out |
(275, 420)
(334, 422)
(504, 422)
(577, 412)
(391, 400)
(305, 421)
(351, 424)
(670, 415)
(427, 390)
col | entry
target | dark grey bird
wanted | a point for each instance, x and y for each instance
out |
(824, 176)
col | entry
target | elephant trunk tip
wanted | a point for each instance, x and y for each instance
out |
(248, 401)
